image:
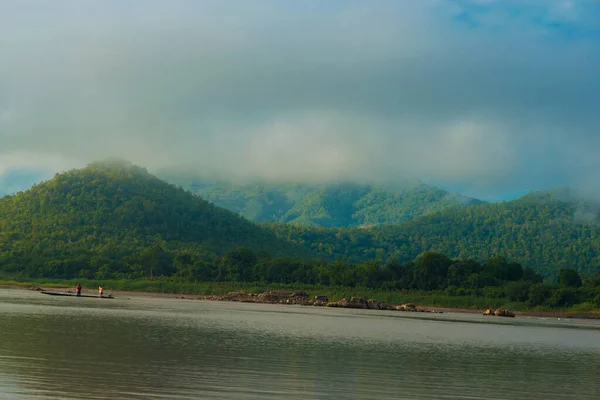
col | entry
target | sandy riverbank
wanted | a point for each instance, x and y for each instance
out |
(280, 298)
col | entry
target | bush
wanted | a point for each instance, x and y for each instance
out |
(569, 278)
(596, 301)
(538, 294)
(517, 291)
(493, 291)
(565, 297)
(451, 291)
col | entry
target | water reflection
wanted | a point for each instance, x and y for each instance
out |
(149, 348)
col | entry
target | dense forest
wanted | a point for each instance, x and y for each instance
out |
(107, 215)
(545, 230)
(541, 231)
(325, 205)
(117, 220)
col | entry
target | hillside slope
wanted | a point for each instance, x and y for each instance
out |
(117, 220)
(325, 205)
(110, 213)
(542, 230)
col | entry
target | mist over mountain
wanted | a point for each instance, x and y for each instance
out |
(323, 205)
(486, 96)
(113, 217)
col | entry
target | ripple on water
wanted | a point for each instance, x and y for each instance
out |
(167, 349)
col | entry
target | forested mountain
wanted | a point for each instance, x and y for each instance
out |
(325, 205)
(115, 220)
(544, 230)
(117, 217)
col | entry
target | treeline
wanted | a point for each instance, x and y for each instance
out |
(118, 221)
(428, 272)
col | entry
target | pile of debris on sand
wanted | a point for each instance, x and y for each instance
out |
(302, 298)
(499, 312)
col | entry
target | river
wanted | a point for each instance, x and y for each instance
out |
(140, 347)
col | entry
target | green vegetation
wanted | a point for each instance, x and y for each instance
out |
(115, 222)
(326, 205)
(334, 293)
(431, 279)
(545, 233)
(546, 230)
(115, 217)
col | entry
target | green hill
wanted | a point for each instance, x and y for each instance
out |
(116, 217)
(325, 205)
(543, 230)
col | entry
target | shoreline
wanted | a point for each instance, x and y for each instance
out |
(289, 298)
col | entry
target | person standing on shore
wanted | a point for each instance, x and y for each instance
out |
(100, 291)
(78, 289)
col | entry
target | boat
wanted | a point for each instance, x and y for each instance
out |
(110, 296)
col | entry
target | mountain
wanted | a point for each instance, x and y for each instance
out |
(115, 219)
(543, 230)
(325, 205)
(114, 213)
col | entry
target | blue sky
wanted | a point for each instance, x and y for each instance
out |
(492, 98)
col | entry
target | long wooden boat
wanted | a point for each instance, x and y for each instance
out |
(74, 295)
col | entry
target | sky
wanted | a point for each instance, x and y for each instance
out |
(492, 98)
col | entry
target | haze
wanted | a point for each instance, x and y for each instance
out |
(491, 98)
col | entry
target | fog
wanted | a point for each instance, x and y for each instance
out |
(490, 97)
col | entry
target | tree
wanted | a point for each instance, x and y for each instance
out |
(568, 277)
(460, 270)
(538, 294)
(499, 268)
(155, 261)
(430, 271)
(183, 264)
(239, 264)
(517, 290)
(593, 280)
(564, 297)
(530, 275)
(368, 274)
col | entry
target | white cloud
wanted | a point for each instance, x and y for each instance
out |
(305, 91)
(40, 161)
(7, 116)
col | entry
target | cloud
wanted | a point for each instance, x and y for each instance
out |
(488, 95)
(36, 161)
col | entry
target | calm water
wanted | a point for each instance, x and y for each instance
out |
(148, 348)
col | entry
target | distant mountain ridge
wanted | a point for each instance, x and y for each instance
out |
(324, 205)
(545, 230)
(113, 218)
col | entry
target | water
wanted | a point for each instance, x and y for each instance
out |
(156, 348)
